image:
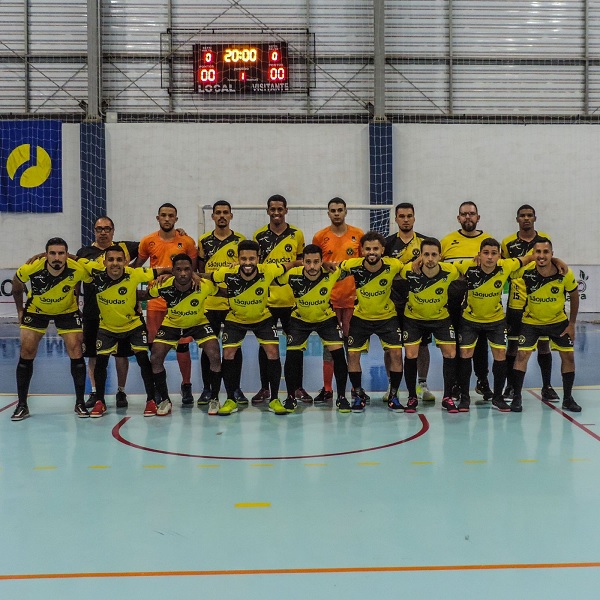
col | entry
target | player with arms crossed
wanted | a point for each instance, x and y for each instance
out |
(312, 288)
(51, 297)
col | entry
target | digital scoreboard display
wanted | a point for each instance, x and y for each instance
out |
(241, 68)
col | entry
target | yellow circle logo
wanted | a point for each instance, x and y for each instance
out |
(35, 175)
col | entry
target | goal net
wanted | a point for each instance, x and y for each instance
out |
(308, 218)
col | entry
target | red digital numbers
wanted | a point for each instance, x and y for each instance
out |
(207, 75)
(277, 74)
(208, 57)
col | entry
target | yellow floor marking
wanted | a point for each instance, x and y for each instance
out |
(252, 504)
(154, 466)
(475, 462)
(262, 465)
(528, 460)
(573, 460)
(315, 465)
(98, 467)
(48, 468)
(422, 462)
(368, 464)
(208, 466)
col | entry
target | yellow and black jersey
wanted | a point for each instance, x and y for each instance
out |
(484, 290)
(277, 249)
(373, 300)
(514, 247)
(248, 299)
(546, 296)
(117, 298)
(184, 308)
(51, 294)
(458, 246)
(428, 296)
(313, 298)
(217, 253)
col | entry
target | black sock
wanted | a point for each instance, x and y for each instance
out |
(518, 379)
(510, 365)
(160, 382)
(568, 380)
(228, 371)
(205, 368)
(449, 372)
(292, 369)
(395, 379)
(410, 376)
(545, 362)
(263, 361)
(499, 372)
(464, 375)
(100, 376)
(480, 358)
(238, 359)
(215, 383)
(24, 374)
(355, 379)
(274, 373)
(143, 360)
(78, 373)
(340, 370)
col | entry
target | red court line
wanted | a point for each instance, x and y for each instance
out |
(8, 406)
(116, 433)
(319, 571)
(566, 416)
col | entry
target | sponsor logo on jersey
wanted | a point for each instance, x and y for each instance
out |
(554, 290)
(66, 288)
(259, 291)
(323, 291)
(122, 291)
(194, 302)
(383, 282)
(230, 253)
(288, 247)
(350, 251)
(497, 284)
(439, 291)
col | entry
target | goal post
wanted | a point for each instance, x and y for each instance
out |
(308, 218)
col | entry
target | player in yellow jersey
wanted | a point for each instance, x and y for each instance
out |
(116, 291)
(51, 297)
(461, 245)
(426, 312)
(185, 318)
(374, 314)
(514, 246)
(545, 315)
(279, 242)
(216, 249)
(312, 287)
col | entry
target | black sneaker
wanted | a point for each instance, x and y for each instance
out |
(81, 411)
(239, 397)
(394, 405)
(411, 405)
(483, 389)
(358, 404)
(205, 397)
(323, 397)
(343, 405)
(517, 404)
(290, 404)
(464, 404)
(499, 403)
(91, 401)
(508, 392)
(364, 395)
(121, 399)
(448, 404)
(186, 394)
(570, 404)
(549, 394)
(21, 412)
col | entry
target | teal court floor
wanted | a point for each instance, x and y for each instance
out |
(314, 504)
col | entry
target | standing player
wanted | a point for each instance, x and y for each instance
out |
(185, 318)
(104, 231)
(461, 245)
(279, 243)
(216, 249)
(515, 246)
(116, 290)
(374, 314)
(338, 242)
(426, 312)
(544, 316)
(312, 287)
(160, 247)
(51, 297)
(406, 246)
(248, 291)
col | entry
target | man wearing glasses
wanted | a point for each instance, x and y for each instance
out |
(104, 231)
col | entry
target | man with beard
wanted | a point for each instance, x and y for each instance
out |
(160, 247)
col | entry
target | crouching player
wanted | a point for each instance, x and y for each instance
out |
(311, 286)
(185, 318)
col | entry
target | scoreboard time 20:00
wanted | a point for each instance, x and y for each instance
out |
(241, 68)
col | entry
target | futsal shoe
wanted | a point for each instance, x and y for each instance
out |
(81, 411)
(204, 397)
(517, 404)
(508, 392)
(364, 396)
(164, 408)
(394, 402)
(358, 402)
(386, 395)
(213, 406)
(343, 405)
(483, 389)
(302, 395)
(424, 393)
(499, 403)
(411, 405)
(448, 404)
(121, 399)
(570, 404)
(150, 410)
(186, 394)
(275, 406)
(260, 396)
(98, 410)
(290, 404)
(549, 394)
(21, 412)
(239, 397)
(464, 403)
(91, 401)
(323, 397)
(228, 408)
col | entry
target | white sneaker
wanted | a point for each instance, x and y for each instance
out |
(424, 394)
(164, 408)
(213, 406)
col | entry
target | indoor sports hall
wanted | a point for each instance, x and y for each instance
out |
(116, 107)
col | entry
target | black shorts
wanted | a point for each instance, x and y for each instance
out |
(415, 329)
(470, 331)
(107, 342)
(283, 315)
(172, 335)
(216, 319)
(90, 334)
(299, 331)
(514, 319)
(65, 323)
(234, 333)
(426, 339)
(530, 334)
(387, 330)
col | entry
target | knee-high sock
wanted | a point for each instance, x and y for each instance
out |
(160, 383)
(518, 379)
(143, 360)
(100, 376)
(545, 362)
(464, 374)
(449, 371)
(205, 369)
(185, 362)
(499, 372)
(568, 380)
(480, 358)
(510, 365)
(395, 379)
(24, 374)
(274, 373)
(340, 369)
(78, 374)
(410, 376)
(238, 359)
(355, 378)
(293, 360)
(228, 371)
(262, 365)
(215, 384)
